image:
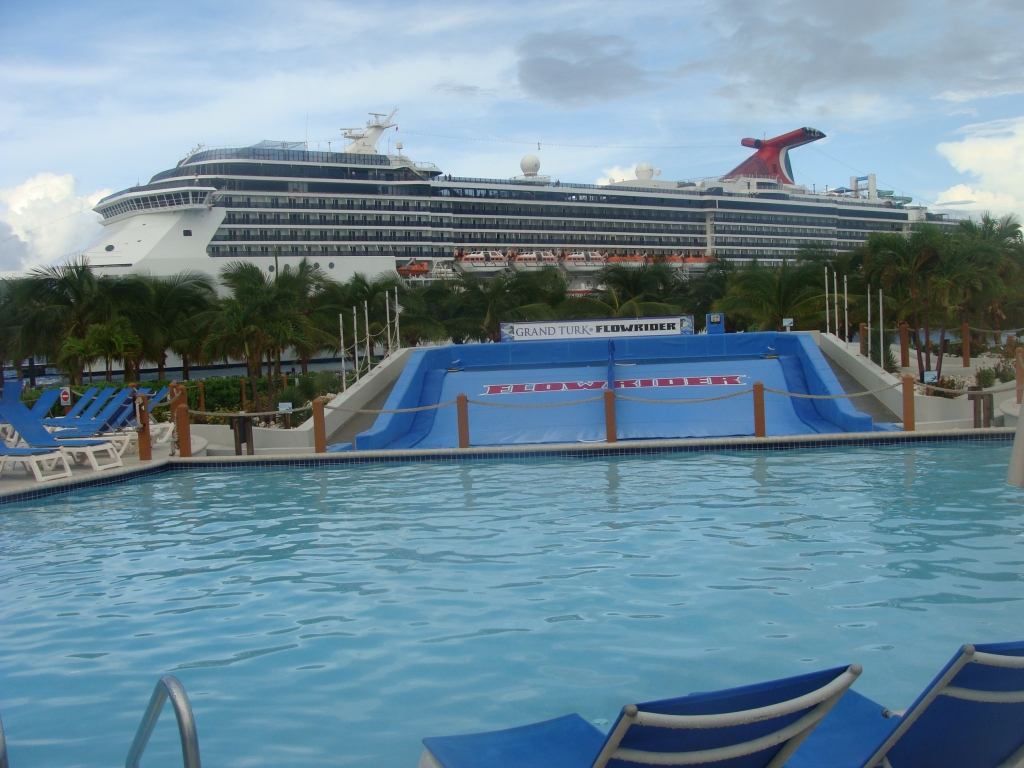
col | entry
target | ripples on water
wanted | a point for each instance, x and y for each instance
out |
(336, 616)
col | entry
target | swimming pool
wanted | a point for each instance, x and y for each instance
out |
(336, 616)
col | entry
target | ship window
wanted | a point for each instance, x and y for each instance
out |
(109, 248)
(331, 265)
(186, 232)
(270, 268)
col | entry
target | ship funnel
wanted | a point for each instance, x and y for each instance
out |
(772, 156)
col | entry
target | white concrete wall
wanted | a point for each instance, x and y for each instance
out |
(930, 413)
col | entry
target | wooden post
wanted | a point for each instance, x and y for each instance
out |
(864, 339)
(610, 429)
(904, 345)
(284, 380)
(1019, 359)
(145, 441)
(250, 443)
(965, 342)
(202, 396)
(759, 430)
(462, 409)
(245, 400)
(908, 402)
(319, 427)
(184, 432)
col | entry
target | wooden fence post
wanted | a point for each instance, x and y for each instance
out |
(319, 427)
(145, 440)
(245, 399)
(611, 431)
(908, 403)
(184, 432)
(965, 342)
(1019, 365)
(759, 430)
(864, 339)
(202, 396)
(462, 410)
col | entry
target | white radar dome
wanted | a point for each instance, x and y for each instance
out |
(530, 165)
(644, 172)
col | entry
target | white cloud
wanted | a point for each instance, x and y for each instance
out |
(43, 219)
(993, 153)
(615, 173)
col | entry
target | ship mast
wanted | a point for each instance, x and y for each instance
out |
(364, 140)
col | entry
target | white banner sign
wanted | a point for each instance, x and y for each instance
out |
(553, 330)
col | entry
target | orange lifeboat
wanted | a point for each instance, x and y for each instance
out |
(414, 269)
(629, 260)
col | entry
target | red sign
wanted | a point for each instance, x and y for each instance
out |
(65, 396)
(573, 386)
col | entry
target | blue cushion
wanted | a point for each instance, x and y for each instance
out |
(565, 742)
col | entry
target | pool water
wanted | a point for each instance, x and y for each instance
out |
(337, 616)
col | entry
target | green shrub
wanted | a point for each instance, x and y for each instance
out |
(985, 377)
(1006, 370)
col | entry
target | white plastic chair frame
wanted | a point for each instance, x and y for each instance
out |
(88, 452)
(40, 465)
(942, 688)
(822, 700)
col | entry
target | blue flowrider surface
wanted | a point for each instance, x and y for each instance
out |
(646, 374)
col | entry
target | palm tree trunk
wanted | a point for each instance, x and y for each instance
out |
(110, 369)
(917, 333)
(942, 342)
(160, 366)
(927, 331)
(184, 366)
(277, 363)
(305, 364)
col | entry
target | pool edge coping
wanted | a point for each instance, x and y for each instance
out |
(556, 450)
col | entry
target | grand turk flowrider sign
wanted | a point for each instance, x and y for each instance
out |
(554, 330)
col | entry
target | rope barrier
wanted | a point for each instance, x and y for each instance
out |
(833, 397)
(395, 410)
(237, 414)
(1008, 388)
(683, 402)
(535, 405)
(996, 330)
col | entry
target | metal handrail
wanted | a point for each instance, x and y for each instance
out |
(167, 687)
(3, 748)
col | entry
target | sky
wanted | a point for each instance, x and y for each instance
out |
(96, 97)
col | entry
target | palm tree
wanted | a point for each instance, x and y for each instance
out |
(769, 295)
(113, 341)
(483, 306)
(168, 322)
(236, 331)
(897, 262)
(628, 292)
(997, 247)
(56, 303)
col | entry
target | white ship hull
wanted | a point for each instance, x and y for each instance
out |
(153, 243)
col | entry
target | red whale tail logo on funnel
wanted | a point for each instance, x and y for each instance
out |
(772, 156)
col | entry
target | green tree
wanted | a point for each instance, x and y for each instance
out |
(767, 296)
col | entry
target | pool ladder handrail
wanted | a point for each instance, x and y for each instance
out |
(3, 748)
(168, 687)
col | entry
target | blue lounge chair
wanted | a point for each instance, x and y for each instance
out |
(45, 402)
(971, 716)
(756, 726)
(106, 423)
(89, 412)
(34, 435)
(45, 463)
(87, 397)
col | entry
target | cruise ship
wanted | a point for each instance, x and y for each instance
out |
(358, 210)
